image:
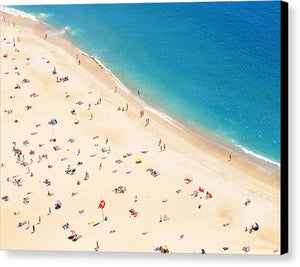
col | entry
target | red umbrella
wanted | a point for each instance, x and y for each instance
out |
(101, 204)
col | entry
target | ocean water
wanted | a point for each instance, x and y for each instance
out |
(214, 66)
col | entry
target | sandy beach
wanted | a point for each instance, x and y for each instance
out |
(71, 137)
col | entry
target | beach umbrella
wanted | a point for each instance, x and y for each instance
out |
(101, 206)
(256, 227)
(59, 202)
(72, 231)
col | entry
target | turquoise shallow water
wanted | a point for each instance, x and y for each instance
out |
(213, 66)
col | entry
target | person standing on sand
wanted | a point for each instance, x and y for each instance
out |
(100, 166)
(97, 246)
(91, 116)
(164, 146)
(78, 152)
(229, 158)
(33, 229)
(45, 37)
(49, 211)
(39, 220)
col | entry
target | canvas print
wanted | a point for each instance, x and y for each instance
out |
(147, 127)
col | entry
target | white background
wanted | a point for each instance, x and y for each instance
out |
(37, 258)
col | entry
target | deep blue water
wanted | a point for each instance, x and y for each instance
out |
(214, 66)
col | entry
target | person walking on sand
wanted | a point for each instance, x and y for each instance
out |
(39, 220)
(87, 176)
(78, 152)
(49, 211)
(106, 142)
(164, 147)
(97, 246)
(89, 106)
(229, 158)
(91, 116)
(100, 166)
(33, 229)
(45, 37)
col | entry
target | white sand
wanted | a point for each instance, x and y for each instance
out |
(230, 183)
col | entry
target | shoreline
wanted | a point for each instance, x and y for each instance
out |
(247, 155)
(193, 135)
(223, 143)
